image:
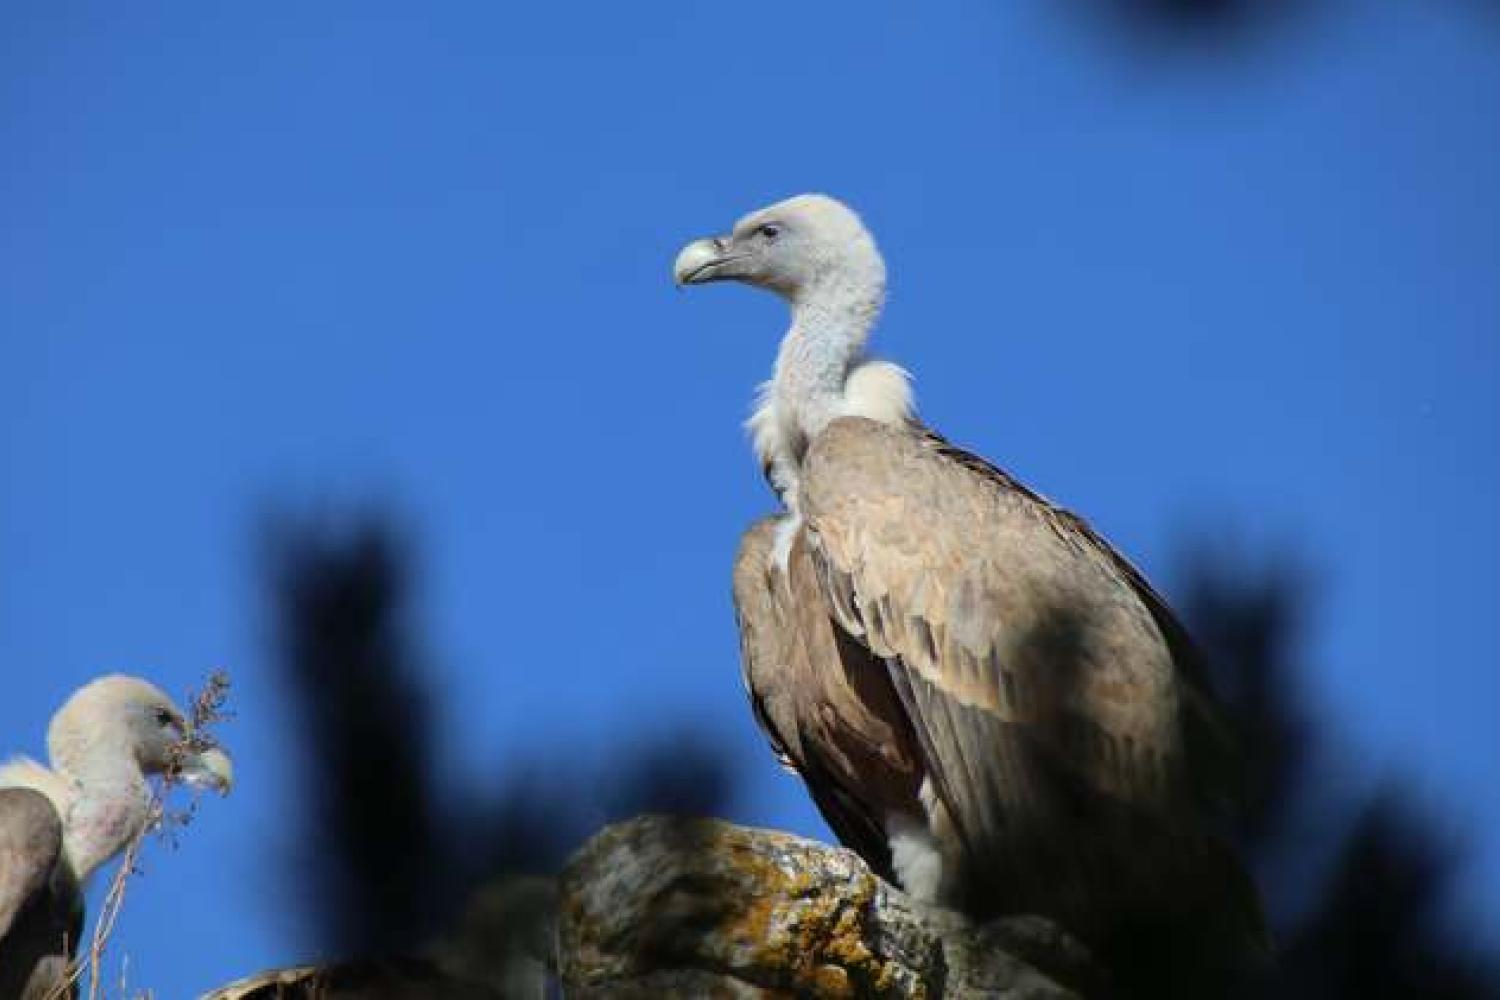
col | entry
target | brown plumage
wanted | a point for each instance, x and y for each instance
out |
(41, 906)
(824, 701)
(985, 699)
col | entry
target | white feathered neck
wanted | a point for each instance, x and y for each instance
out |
(822, 372)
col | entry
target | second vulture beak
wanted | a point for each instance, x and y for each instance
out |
(212, 768)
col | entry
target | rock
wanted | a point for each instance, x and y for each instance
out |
(505, 938)
(399, 979)
(500, 949)
(663, 908)
(660, 908)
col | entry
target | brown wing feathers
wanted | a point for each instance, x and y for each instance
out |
(824, 702)
(41, 911)
(985, 595)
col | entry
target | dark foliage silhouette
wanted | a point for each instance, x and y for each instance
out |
(1382, 927)
(392, 854)
(366, 734)
(1224, 27)
(1379, 921)
(1196, 22)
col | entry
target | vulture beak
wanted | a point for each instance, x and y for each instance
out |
(211, 768)
(705, 260)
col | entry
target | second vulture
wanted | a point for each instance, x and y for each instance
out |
(986, 701)
(59, 824)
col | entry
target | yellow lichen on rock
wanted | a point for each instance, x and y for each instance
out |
(667, 908)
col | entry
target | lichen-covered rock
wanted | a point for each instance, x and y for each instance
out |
(660, 907)
(397, 979)
(501, 948)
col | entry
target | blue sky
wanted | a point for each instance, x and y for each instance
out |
(260, 254)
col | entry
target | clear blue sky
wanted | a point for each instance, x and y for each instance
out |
(252, 253)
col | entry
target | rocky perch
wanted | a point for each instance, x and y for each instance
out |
(658, 907)
(665, 908)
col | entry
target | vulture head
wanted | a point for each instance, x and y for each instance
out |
(104, 744)
(797, 248)
(119, 717)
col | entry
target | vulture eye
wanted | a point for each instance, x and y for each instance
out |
(769, 230)
(163, 717)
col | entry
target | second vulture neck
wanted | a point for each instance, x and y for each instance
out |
(110, 803)
(831, 321)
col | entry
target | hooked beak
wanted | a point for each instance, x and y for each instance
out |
(209, 768)
(705, 260)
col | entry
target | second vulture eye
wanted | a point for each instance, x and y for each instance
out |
(770, 230)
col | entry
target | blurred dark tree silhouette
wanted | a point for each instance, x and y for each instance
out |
(1221, 26)
(1196, 21)
(394, 856)
(1360, 889)
(372, 827)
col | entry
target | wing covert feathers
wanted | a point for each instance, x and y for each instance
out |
(1056, 705)
(826, 705)
(763, 629)
(1011, 618)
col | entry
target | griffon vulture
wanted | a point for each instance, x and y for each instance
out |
(985, 700)
(58, 825)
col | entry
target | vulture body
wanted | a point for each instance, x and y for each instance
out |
(986, 701)
(58, 825)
